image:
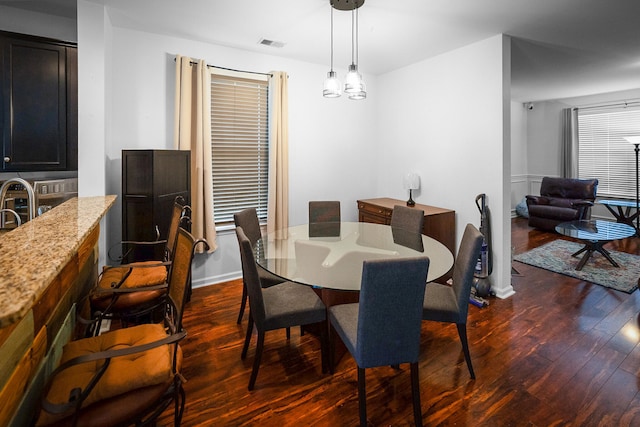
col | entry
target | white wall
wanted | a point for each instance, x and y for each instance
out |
(519, 159)
(544, 136)
(93, 54)
(332, 141)
(450, 129)
(536, 134)
(37, 24)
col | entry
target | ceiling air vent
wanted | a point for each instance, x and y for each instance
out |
(271, 43)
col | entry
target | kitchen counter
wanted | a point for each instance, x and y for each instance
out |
(35, 253)
(48, 265)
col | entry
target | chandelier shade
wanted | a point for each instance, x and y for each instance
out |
(332, 86)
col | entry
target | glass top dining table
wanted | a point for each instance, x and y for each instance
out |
(335, 262)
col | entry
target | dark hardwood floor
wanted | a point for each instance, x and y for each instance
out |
(560, 352)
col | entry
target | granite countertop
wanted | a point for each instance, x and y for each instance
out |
(32, 255)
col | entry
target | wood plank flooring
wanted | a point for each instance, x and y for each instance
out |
(560, 352)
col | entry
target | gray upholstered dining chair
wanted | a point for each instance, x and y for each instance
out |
(248, 220)
(324, 218)
(450, 304)
(411, 219)
(281, 306)
(384, 327)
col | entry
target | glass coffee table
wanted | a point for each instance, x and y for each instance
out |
(595, 234)
(622, 211)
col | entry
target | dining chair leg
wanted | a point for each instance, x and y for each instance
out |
(462, 332)
(247, 338)
(415, 391)
(243, 304)
(362, 397)
(332, 347)
(323, 347)
(179, 408)
(256, 360)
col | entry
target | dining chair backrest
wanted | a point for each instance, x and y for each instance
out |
(411, 219)
(324, 218)
(248, 220)
(180, 273)
(390, 311)
(251, 277)
(324, 211)
(180, 216)
(464, 267)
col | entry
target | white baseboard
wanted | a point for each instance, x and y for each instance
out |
(213, 280)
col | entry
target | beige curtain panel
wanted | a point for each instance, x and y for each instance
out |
(570, 143)
(278, 205)
(192, 130)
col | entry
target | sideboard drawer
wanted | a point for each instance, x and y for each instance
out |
(378, 214)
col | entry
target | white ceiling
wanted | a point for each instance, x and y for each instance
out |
(561, 48)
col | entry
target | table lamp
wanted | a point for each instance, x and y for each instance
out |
(635, 140)
(411, 181)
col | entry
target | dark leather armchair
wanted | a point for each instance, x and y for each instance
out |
(561, 200)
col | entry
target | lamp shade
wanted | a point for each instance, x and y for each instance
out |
(411, 181)
(354, 85)
(332, 86)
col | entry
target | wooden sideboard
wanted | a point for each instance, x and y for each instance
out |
(439, 223)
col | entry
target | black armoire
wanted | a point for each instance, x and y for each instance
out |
(151, 180)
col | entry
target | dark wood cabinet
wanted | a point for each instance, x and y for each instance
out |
(439, 223)
(151, 180)
(38, 104)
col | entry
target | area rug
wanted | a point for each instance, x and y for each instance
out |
(556, 256)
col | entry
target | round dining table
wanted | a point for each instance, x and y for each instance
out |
(334, 260)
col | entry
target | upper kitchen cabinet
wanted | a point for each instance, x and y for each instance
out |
(38, 104)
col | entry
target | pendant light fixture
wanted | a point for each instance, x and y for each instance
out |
(332, 86)
(354, 86)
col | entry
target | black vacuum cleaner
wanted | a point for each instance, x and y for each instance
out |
(484, 266)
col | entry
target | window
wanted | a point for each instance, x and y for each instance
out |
(239, 145)
(604, 153)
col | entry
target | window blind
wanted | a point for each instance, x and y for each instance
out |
(603, 151)
(239, 146)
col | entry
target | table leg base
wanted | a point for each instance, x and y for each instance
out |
(591, 247)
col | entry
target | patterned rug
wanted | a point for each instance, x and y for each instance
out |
(556, 256)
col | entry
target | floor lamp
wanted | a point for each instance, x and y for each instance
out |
(635, 140)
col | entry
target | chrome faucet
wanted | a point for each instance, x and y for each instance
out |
(14, 213)
(31, 199)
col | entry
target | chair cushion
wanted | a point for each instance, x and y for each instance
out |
(289, 304)
(124, 373)
(118, 410)
(139, 277)
(344, 319)
(268, 279)
(134, 301)
(440, 304)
